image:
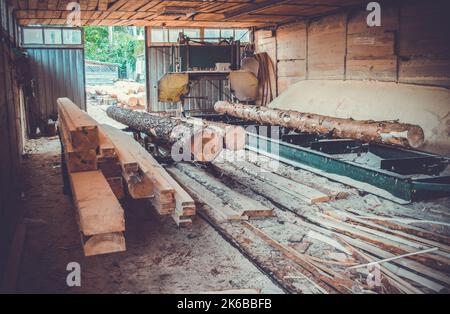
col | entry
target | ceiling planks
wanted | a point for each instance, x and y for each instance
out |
(200, 13)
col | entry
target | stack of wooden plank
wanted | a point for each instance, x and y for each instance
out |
(122, 161)
(142, 171)
(95, 192)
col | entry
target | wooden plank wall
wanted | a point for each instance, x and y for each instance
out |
(11, 140)
(411, 46)
(291, 52)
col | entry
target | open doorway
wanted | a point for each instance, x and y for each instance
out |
(115, 69)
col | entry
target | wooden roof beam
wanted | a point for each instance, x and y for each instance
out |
(102, 5)
(254, 8)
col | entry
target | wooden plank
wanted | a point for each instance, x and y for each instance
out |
(98, 209)
(82, 130)
(76, 160)
(422, 29)
(336, 281)
(81, 161)
(292, 68)
(102, 5)
(425, 70)
(365, 68)
(109, 166)
(291, 42)
(348, 241)
(326, 48)
(140, 185)
(409, 264)
(116, 185)
(333, 190)
(221, 212)
(242, 204)
(390, 245)
(305, 193)
(184, 204)
(371, 45)
(106, 146)
(346, 217)
(104, 244)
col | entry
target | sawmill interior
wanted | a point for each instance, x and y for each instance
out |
(251, 147)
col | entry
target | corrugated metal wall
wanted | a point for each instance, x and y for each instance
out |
(159, 60)
(58, 73)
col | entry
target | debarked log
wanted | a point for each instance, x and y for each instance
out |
(204, 143)
(389, 132)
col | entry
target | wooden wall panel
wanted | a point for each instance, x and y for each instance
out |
(290, 72)
(379, 69)
(291, 54)
(291, 42)
(426, 71)
(424, 28)
(425, 43)
(412, 45)
(326, 48)
(371, 51)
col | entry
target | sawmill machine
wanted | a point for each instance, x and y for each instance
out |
(195, 60)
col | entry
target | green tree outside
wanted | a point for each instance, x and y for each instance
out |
(124, 49)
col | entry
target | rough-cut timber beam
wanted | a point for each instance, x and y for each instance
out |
(103, 5)
(205, 142)
(389, 132)
(254, 8)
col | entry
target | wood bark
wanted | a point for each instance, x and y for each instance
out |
(205, 142)
(389, 132)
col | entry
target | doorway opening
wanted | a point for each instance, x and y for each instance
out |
(115, 69)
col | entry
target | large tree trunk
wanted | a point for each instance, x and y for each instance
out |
(204, 142)
(390, 132)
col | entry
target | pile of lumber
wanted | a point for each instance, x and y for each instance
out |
(95, 192)
(146, 178)
(104, 164)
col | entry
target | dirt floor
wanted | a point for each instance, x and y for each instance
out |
(160, 257)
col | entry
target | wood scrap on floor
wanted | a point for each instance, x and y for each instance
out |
(220, 211)
(241, 204)
(350, 240)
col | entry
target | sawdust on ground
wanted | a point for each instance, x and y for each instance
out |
(160, 257)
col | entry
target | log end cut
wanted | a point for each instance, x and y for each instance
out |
(206, 145)
(416, 136)
(234, 138)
